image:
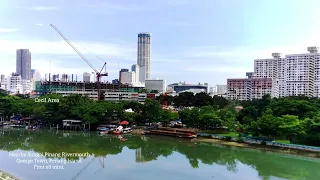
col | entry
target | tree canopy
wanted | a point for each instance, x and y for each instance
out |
(293, 118)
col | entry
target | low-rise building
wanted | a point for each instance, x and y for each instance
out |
(159, 85)
(128, 77)
(88, 77)
(183, 87)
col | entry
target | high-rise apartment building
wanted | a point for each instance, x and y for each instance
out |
(144, 55)
(293, 75)
(296, 74)
(23, 63)
(302, 73)
(272, 68)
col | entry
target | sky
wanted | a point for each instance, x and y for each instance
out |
(195, 41)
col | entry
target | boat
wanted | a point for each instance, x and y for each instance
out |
(104, 131)
(127, 130)
(118, 130)
(174, 132)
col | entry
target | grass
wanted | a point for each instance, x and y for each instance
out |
(283, 141)
(231, 134)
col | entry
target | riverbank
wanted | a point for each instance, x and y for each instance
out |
(6, 176)
(259, 147)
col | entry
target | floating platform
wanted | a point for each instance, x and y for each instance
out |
(174, 132)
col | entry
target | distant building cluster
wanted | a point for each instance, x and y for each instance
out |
(23, 80)
(292, 75)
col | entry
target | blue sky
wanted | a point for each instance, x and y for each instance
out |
(192, 41)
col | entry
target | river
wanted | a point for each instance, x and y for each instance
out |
(50, 155)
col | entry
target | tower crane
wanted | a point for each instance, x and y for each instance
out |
(98, 74)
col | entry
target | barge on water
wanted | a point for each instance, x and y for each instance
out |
(175, 132)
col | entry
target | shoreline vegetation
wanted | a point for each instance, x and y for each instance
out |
(6, 176)
(247, 145)
(259, 147)
(288, 120)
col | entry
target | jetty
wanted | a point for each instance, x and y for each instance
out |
(174, 132)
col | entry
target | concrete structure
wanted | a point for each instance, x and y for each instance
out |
(272, 68)
(159, 85)
(65, 78)
(90, 93)
(296, 74)
(17, 85)
(121, 71)
(23, 63)
(144, 56)
(183, 87)
(128, 77)
(220, 89)
(249, 88)
(3, 82)
(115, 81)
(55, 77)
(303, 74)
(137, 71)
(133, 67)
(35, 74)
(211, 90)
(2, 78)
(88, 77)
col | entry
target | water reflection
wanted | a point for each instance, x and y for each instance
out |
(150, 149)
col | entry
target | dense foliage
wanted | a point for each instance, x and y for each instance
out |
(293, 118)
(83, 108)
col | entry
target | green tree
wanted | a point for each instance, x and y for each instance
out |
(291, 126)
(151, 110)
(228, 117)
(202, 99)
(185, 99)
(130, 117)
(266, 125)
(167, 116)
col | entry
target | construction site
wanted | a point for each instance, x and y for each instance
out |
(95, 90)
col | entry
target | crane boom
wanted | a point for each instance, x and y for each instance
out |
(74, 48)
(99, 74)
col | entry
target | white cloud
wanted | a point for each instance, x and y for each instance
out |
(39, 24)
(62, 48)
(45, 51)
(247, 53)
(8, 30)
(44, 8)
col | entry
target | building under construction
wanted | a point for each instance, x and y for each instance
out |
(111, 92)
(48, 87)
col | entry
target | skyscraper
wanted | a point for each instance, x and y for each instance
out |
(144, 55)
(134, 67)
(23, 63)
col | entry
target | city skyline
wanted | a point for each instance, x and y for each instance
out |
(23, 64)
(219, 40)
